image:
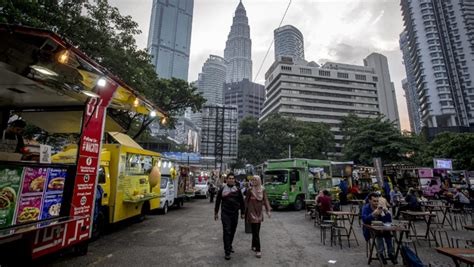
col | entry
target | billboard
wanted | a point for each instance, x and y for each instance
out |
(443, 164)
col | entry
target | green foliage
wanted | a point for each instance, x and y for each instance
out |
(366, 138)
(456, 146)
(271, 139)
(106, 36)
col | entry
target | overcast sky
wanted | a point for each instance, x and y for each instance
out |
(344, 31)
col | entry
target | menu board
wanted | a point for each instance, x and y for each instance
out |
(10, 184)
(41, 194)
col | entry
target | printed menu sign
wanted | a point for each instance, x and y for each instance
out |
(34, 180)
(10, 183)
(29, 209)
(51, 206)
(56, 181)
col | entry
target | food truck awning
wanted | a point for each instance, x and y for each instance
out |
(41, 71)
(124, 139)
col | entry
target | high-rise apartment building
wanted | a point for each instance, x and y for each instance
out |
(440, 36)
(238, 48)
(409, 86)
(385, 88)
(288, 41)
(211, 79)
(321, 94)
(169, 37)
(247, 96)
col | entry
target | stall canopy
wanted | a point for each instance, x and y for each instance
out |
(40, 71)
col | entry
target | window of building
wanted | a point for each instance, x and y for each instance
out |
(343, 75)
(324, 73)
(305, 71)
(360, 77)
(286, 68)
(375, 79)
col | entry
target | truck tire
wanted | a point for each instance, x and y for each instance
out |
(298, 203)
(164, 210)
(178, 203)
(99, 226)
(144, 211)
(81, 249)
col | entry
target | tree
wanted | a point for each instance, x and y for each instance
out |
(366, 138)
(456, 146)
(271, 139)
(106, 36)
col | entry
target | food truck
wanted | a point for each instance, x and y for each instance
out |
(128, 175)
(171, 187)
(45, 206)
(291, 181)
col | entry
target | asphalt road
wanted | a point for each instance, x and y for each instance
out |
(190, 237)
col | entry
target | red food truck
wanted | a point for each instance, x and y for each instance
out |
(49, 83)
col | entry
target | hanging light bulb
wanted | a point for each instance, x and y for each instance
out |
(136, 102)
(63, 57)
(164, 120)
(153, 113)
(101, 82)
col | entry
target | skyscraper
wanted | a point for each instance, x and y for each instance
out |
(440, 40)
(169, 38)
(238, 48)
(385, 88)
(211, 79)
(288, 42)
(409, 86)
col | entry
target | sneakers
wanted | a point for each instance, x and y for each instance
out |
(258, 254)
(227, 257)
(392, 258)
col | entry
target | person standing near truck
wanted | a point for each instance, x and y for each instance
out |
(256, 199)
(232, 201)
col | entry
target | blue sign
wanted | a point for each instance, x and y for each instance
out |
(183, 156)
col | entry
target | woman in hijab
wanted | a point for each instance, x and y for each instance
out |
(255, 199)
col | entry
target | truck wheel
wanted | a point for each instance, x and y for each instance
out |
(99, 225)
(298, 204)
(81, 249)
(144, 211)
(178, 203)
(165, 208)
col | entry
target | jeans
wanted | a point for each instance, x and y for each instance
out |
(229, 225)
(379, 243)
(256, 236)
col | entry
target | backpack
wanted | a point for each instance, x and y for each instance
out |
(410, 258)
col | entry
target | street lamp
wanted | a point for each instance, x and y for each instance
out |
(291, 135)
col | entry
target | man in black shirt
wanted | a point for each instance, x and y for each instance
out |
(232, 201)
(12, 138)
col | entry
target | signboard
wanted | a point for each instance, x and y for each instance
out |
(443, 163)
(425, 173)
(10, 185)
(183, 156)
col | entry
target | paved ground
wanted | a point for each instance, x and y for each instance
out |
(189, 236)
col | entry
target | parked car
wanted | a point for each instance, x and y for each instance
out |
(201, 188)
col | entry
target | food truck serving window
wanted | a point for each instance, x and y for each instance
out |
(138, 164)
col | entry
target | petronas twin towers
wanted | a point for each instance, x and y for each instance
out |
(238, 48)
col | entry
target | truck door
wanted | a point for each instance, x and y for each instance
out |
(294, 179)
(104, 182)
(171, 191)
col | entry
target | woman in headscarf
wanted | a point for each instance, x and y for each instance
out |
(255, 199)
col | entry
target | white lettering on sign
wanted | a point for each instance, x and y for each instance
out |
(92, 107)
(90, 147)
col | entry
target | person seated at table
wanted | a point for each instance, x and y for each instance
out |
(323, 202)
(373, 211)
(460, 199)
(412, 203)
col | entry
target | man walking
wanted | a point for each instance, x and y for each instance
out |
(232, 201)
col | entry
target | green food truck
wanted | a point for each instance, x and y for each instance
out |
(289, 182)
